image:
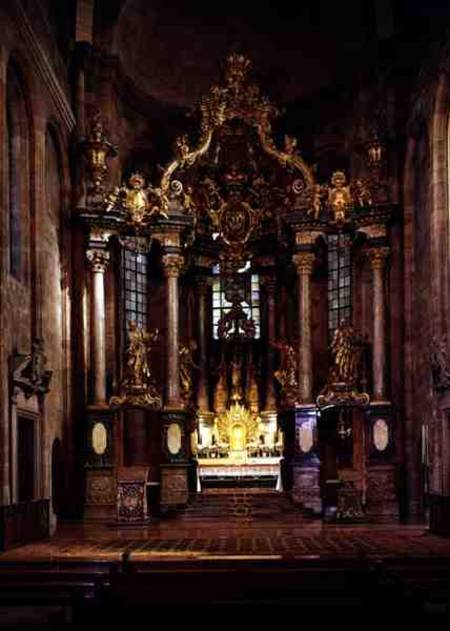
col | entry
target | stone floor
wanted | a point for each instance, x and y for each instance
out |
(235, 525)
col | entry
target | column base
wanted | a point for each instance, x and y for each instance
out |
(306, 489)
(440, 514)
(175, 435)
(174, 486)
(101, 491)
(381, 491)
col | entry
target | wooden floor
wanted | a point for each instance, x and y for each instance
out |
(235, 525)
(234, 548)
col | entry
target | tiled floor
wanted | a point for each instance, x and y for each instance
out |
(238, 525)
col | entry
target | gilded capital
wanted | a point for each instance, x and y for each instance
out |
(172, 264)
(98, 260)
(304, 262)
(308, 237)
(378, 257)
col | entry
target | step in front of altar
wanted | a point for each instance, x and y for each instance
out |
(257, 472)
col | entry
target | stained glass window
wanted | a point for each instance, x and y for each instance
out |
(247, 284)
(339, 279)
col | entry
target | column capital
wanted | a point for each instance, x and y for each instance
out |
(172, 264)
(304, 262)
(98, 260)
(203, 283)
(270, 283)
(378, 257)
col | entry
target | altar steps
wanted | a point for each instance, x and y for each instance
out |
(251, 504)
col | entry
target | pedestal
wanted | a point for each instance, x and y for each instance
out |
(174, 471)
(301, 466)
(381, 469)
(174, 486)
(306, 475)
(439, 514)
(101, 491)
(100, 472)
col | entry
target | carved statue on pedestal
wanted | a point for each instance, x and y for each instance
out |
(236, 379)
(346, 349)
(221, 389)
(187, 365)
(137, 388)
(252, 393)
(286, 375)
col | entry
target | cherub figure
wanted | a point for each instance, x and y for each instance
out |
(317, 200)
(362, 194)
(339, 196)
(290, 145)
(182, 147)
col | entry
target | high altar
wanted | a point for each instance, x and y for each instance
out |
(237, 315)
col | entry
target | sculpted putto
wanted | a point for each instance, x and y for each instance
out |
(339, 196)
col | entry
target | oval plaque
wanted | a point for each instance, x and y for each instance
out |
(380, 434)
(174, 439)
(305, 438)
(99, 439)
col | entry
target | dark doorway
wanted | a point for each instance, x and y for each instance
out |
(26, 457)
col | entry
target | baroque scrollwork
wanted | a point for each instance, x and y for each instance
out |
(29, 372)
(138, 201)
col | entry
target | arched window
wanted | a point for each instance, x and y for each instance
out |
(339, 279)
(249, 291)
(17, 159)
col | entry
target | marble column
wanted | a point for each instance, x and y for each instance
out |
(98, 261)
(202, 397)
(378, 257)
(270, 284)
(304, 262)
(172, 264)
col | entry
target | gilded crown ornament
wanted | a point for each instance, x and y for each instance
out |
(139, 202)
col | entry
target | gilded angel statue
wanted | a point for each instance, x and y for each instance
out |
(186, 367)
(286, 375)
(346, 349)
(138, 372)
